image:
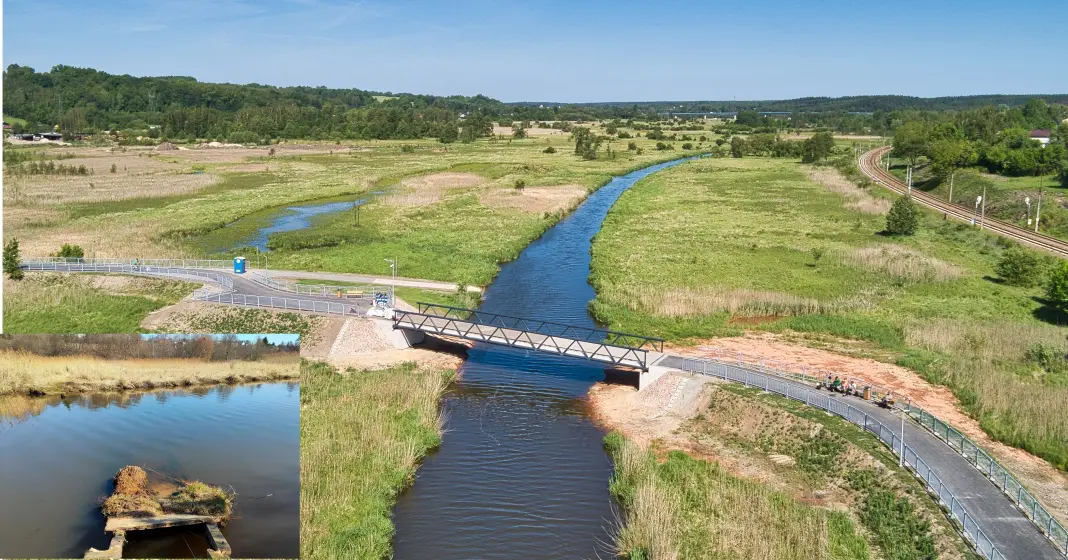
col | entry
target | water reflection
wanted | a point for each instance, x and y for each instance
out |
(63, 451)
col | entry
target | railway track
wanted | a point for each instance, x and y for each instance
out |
(870, 166)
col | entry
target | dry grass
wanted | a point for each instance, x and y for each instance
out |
(197, 498)
(67, 189)
(989, 341)
(686, 508)
(856, 198)
(696, 302)
(131, 505)
(901, 262)
(131, 480)
(22, 373)
(430, 189)
(539, 200)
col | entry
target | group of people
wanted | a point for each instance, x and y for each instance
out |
(836, 385)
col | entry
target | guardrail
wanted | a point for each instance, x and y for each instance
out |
(982, 461)
(369, 290)
(169, 263)
(270, 302)
(997, 474)
(546, 328)
(144, 270)
(972, 532)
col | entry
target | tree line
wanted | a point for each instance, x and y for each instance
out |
(996, 139)
(132, 346)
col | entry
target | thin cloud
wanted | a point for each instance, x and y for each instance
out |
(145, 27)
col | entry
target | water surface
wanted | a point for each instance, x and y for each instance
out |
(57, 458)
(522, 472)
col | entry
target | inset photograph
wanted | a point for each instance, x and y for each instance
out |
(150, 446)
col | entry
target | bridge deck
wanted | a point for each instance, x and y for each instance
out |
(580, 342)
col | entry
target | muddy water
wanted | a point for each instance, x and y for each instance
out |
(522, 472)
(57, 457)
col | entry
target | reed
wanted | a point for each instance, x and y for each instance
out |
(23, 373)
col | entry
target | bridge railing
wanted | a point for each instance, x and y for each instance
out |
(971, 530)
(170, 263)
(283, 303)
(999, 475)
(547, 328)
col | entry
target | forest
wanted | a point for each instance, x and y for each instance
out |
(182, 108)
(998, 140)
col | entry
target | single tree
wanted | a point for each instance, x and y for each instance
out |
(12, 261)
(910, 141)
(817, 147)
(1057, 288)
(586, 142)
(737, 146)
(1019, 267)
(903, 218)
(518, 132)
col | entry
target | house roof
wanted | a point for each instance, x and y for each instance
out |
(1039, 134)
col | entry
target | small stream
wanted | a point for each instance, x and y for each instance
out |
(522, 472)
(58, 456)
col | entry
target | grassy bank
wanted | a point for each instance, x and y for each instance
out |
(686, 508)
(65, 303)
(362, 435)
(23, 373)
(716, 245)
(816, 485)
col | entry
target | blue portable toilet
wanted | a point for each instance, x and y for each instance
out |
(239, 265)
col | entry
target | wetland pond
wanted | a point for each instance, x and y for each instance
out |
(58, 457)
(522, 471)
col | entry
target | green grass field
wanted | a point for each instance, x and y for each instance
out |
(56, 303)
(362, 436)
(686, 253)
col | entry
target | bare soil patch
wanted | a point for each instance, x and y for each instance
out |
(1042, 479)
(535, 199)
(430, 189)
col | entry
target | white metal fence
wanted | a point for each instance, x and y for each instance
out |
(811, 397)
(269, 302)
(370, 291)
(168, 263)
(220, 278)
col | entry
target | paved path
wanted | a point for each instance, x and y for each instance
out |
(1006, 526)
(368, 279)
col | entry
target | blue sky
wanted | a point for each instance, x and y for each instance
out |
(272, 338)
(571, 50)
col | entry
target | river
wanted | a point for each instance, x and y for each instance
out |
(57, 457)
(522, 472)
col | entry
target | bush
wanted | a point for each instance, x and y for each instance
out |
(632, 146)
(1019, 267)
(12, 260)
(903, 219)
(687, 146)
(549, 150)
(1056, 289)
(70, 252)
(519, 184)
(114, 168)
(407, 148)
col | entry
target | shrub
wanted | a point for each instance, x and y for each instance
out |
(12, 260)
(903, 218)
(1056, 289)
(687, 146)
(549, 150)
(632, 146)
(1019, 267)
(70, 252)
(407, 148)
(1047, 356)
(519, 184)
(114, 168)
(720, 141)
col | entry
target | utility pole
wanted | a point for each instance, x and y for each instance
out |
(1038, 212)
(951, 176)
(909, 179)
(982, 216)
